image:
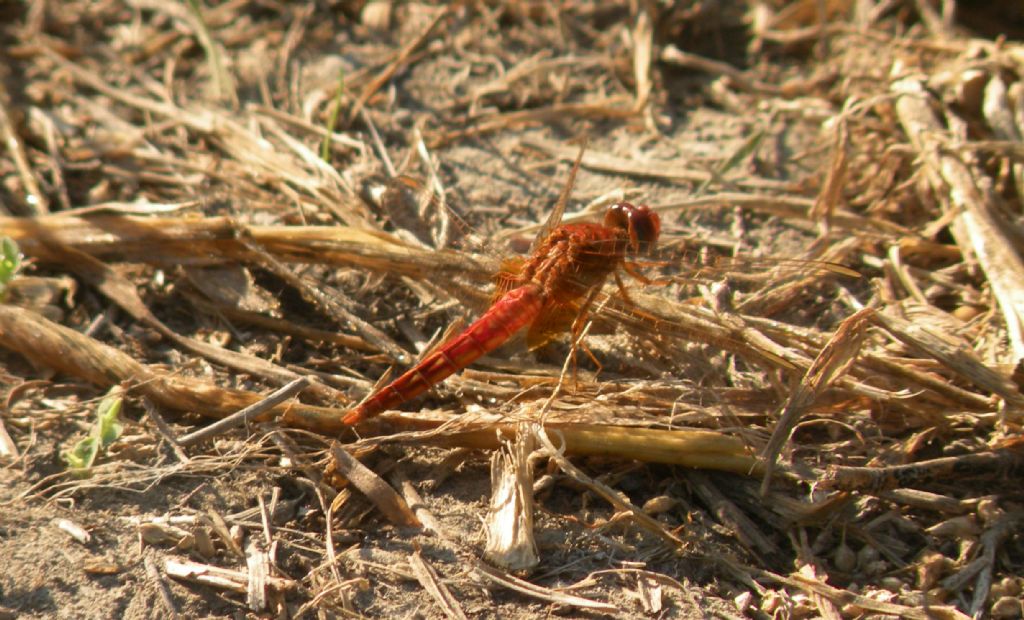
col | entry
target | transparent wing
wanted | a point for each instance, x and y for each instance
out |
(555, 217)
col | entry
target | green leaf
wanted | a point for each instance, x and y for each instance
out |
(81, 457)
(108, 426)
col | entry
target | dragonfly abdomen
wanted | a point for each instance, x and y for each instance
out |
(513, 311)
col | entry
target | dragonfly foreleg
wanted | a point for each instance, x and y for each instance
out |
(631, 269)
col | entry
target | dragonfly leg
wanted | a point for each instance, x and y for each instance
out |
(593, 358)
(629, 300)
(622, 287)
(579, 325)
(631, 269)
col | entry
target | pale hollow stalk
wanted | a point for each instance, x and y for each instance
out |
(509, 525)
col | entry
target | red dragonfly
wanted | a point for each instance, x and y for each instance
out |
(548, 291)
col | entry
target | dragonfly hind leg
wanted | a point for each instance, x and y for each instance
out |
(579, 328)
(629, 300)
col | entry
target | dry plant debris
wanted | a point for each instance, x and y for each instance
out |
(812, 409)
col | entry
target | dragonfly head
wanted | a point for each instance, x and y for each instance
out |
(641, 225)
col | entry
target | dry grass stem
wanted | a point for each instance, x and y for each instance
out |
(214, 240)
(608, 494)
(246, 415)
(533, 591)
(853, 604)
(400, 60)
(68, 351)
(431, 582)
(985, 230)
(157, 578)
(666, 171)
(36, 202)
(675, 56)
(702, 449)
(221, 578)
(1005, 461)
(374, 488)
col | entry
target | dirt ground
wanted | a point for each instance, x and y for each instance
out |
(808, 404)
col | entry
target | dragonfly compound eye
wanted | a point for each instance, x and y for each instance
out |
(645, 226)
(642, 225)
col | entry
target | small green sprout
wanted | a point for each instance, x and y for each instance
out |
(332, 118)
(107, 430)
(746, 149)
(10, 263)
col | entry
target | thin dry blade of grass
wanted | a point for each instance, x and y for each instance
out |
(787, 206)
(855, 604)
(224, 84)
(675, 56)
(746, 530)
(539, 592)
(668, 171)
(960, 361)
(608, 108)
(643, 43)
(329, 301)
(400, 61)
(616, 499)
(834, 360)
(432, 583)
(244, 416)
(221, 578)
